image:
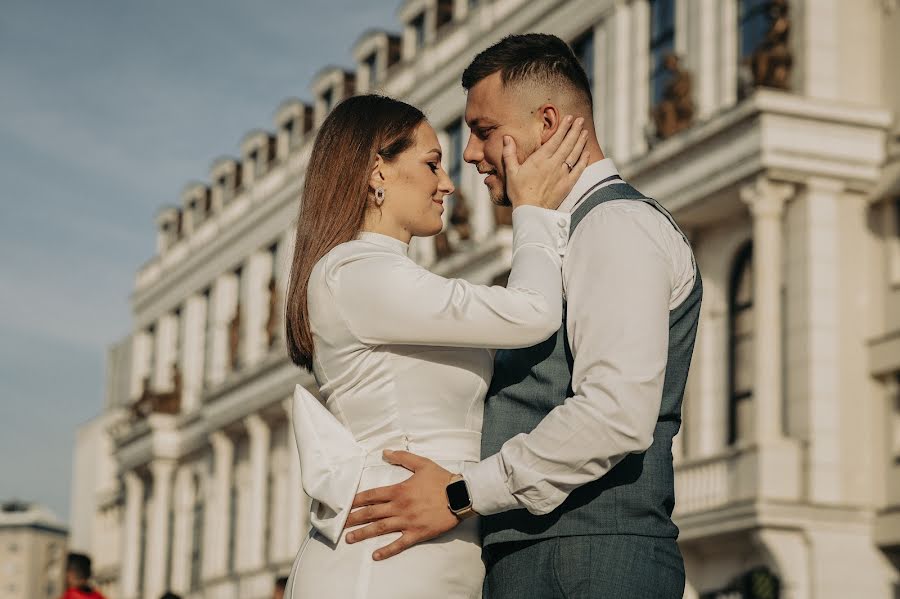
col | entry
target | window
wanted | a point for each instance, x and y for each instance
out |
(583, 47)
(662, 43)
(151, 353)
(142, 540)
(197, 535)
(328, 99)
(754, 22)
(236, 327)
(418, 27)
(893, 238)
(208, 333)
(453, 156)
(232, 522)
(270, 509)
(274, 302)
(741, 346)
(444, 12)
(371, 61)
(178, 358)
(170, 527)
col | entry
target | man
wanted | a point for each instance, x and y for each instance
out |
(78, 575)
(280, 584)
(576, 485)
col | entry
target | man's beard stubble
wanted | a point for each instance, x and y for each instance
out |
(499, 199)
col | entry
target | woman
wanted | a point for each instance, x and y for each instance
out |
(400, 354)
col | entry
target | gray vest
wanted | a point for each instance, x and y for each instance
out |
(637, 496)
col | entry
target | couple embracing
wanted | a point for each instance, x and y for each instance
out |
(511, 442)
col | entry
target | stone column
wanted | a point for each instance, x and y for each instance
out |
(705, 51)
(254, 544)
(622, 83)
(194, 331)
(216, 548)
(766, 201)
(728, 52)
(166, 351)
(131, 551)
(256, 302)
(181, 531)
(157, 555)
(639, 67)
(141, 348)
(224, 302)
(278, 546)
(777, 460)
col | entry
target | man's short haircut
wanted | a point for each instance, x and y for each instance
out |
(79, 564)
(281, 582)
(531, 57)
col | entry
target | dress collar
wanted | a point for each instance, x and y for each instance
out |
(592, 175)
(387, 242)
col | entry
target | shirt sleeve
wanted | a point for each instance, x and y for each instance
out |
(619, 281)
(389, 299)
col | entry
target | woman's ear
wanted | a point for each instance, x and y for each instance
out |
(376, 177)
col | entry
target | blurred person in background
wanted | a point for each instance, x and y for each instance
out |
(78, 576)
(280, 583)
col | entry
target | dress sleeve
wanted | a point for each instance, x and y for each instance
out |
(386, 298)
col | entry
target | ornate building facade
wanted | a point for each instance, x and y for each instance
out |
(768, 127)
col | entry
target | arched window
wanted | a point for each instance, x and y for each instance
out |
(740, 346)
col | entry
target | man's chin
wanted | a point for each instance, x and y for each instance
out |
(498, 196)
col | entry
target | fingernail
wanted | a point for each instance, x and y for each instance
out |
(569, 118)
(506, 140)
(377, 555)
(350, 538)
(388, 452)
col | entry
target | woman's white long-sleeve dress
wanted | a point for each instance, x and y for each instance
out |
(402, 361)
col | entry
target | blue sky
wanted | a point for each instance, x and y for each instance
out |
(107, 109)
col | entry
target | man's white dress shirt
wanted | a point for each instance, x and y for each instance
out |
(624, 269)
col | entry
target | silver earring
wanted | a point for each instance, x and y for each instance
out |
(379, 196)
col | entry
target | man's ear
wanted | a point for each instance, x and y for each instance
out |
(550, 119)
(376, 177)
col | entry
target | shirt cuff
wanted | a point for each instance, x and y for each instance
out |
(486, 481)
(541, 226)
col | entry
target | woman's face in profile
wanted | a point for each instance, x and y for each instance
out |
(415, 186)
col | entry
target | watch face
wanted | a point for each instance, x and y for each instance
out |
(458, 495)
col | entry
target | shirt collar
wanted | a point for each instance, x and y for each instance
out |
(592, 175)
(387, 242)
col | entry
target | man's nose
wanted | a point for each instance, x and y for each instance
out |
(474, 152)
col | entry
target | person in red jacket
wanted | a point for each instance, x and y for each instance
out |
(78, 573)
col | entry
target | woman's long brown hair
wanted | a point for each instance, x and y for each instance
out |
(336, 192)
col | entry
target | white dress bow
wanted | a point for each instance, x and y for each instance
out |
(331, 463)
